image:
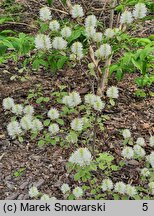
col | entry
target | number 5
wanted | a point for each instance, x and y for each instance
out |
(145, 207)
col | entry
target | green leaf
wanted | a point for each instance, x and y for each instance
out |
(50, 2)
(60, 121)
(41, 143)
(61, 62)
(47, 122)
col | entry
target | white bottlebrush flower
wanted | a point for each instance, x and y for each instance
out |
(91, 21)
(104, 51)
(107, 185)
(28, 110)
(145, 172)
(90, 31)
(151, 159)
(140, 141)
(45, 14)
(14, 129)
(90, 99)
(139, 151)
(126, 134)
(113, 92)
(151, 141)
(17, 109)
(128, 152)
(139, 11)
(33, 192)
(72, 100)
(98, 104)
(109, 33)
(126, 17)
(77, 11)
(54, 129)
(77, 124)
(78, 192)
(26, 122)
(45, 197)
(151, 186)
(97, 37)
(66, 32)
(81, 157)
(54, 25)
(130, 190)
(120, 188)
(65, 188)
(8, 103)
(42, 42)
(59, 43)
(53, 114)
(37, 125)
(77, 49)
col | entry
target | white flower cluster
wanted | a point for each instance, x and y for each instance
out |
(37, 125)
(128, 152)
(151, 186)
(27, 122)
(53, 129)
(140, 141)
(107, 185)
(42, 42)
(139, 151)
(17, 109)
(151, 141)
(109, 33)
(126, 18)
(112, 92)
(77, 11)
(54, 25)
(81, 157)
(53, 114)
(77, 50)
(126, 133)
(66, 32)
(45, 197)
(33, 192)
(14, 129)
(104, 51)
(90, 31)
(139, 11)
(59, 43)
(8, 103)
(78, 192)
(145, 172)
(72, 100)
(97, 37)
(65, 188)
(119, 187)
(91, 21)
(95, 101)
(150, 159)
(45, 14)
(131, 190)
(77, 124)
(28, 110)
